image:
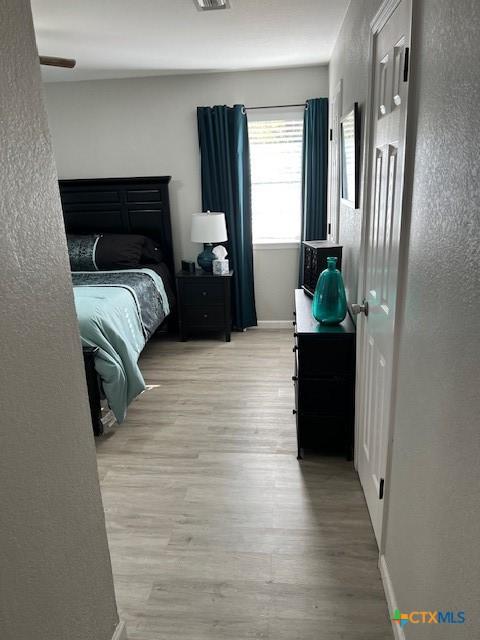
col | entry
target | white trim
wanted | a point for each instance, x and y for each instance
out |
(333, 190)
(120, 632)
(390, 596)
(276, 113)
(383, 14)
(273, 324)
(276, 246)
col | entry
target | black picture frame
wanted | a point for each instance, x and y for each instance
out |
(350, 158)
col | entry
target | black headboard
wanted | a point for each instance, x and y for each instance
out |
(120, 205)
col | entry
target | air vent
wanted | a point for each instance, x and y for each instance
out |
(211, 5)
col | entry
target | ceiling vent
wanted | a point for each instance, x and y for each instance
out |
(211, 5)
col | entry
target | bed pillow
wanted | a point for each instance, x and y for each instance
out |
(112, 251)
(119, 251)
(151, 252)
(81, 252)
(126, 251)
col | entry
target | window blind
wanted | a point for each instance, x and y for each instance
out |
(276, 172)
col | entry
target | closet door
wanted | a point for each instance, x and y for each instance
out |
(380, 274)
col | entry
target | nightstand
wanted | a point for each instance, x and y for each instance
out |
(204, 303)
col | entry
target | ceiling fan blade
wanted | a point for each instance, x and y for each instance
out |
(50, 61)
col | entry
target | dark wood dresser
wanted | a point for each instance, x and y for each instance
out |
(204, 303)
(324, 380)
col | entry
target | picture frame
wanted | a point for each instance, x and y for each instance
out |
(350, 158)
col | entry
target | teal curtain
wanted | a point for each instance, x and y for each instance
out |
(315, 169)
(226, 186)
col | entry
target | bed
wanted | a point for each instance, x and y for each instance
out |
(119, 308)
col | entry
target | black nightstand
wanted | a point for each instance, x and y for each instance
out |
(204, 303)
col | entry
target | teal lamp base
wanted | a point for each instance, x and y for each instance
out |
(206, 257)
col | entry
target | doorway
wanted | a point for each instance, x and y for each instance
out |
(381, 241)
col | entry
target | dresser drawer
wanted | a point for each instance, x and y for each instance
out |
(328, 356)
(323, 397)
(205, 316)
(202, 293)
(324, 434)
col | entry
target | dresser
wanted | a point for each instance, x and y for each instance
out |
(324, 381)
(204, 303)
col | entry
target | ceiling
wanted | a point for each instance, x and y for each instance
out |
(124, 38)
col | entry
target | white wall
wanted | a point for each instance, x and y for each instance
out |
(349, 63)
(434, 507)
(433, 515)
(276, 278)
(56, 580)
(147, 126)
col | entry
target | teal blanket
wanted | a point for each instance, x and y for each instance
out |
(110, 318)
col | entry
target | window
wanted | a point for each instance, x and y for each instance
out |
(276, 169)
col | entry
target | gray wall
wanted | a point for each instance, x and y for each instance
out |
(434, 516)
(349, 63)
(147, 126)
(55, 577)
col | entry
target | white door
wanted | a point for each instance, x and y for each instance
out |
(381, 241)
(334, 164)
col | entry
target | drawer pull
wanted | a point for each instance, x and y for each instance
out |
(205, 315)
(204, 293)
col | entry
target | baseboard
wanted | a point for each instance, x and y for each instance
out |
(274, 324)
(120, 632)
(398, 632)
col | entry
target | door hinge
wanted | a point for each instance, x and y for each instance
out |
(380, 490)
(331, 134)
(406, 64)
(329, 228)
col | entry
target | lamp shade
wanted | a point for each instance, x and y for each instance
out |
(209, 227)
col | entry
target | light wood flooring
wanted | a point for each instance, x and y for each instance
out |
(216, 532)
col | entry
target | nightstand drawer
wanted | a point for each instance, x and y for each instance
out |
(205, 316)
(206, 293)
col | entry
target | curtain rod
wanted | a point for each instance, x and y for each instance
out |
(277, 106)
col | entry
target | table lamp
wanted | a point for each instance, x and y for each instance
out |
(208, 228)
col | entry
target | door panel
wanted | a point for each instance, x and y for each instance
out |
(387, 256)
(383, 81)
(378, 283)
(398, 69)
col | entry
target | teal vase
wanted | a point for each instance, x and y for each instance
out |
(329, 302)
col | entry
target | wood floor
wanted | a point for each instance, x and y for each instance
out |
(216, 531)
